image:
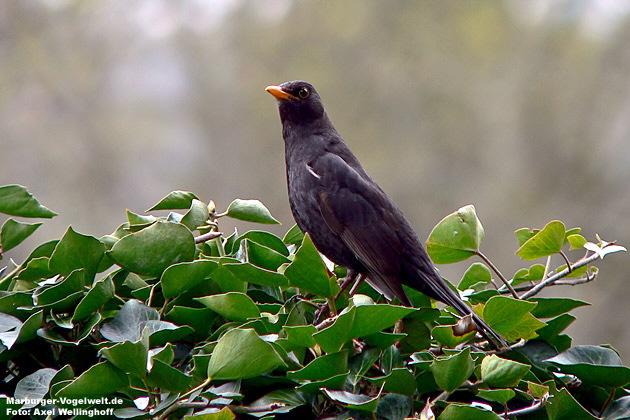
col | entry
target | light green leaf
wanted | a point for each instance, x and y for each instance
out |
(196, 216)
(450, 372)
(308, 271)
(548, 241)
(502, 373)
(511, 318)
(456, 237)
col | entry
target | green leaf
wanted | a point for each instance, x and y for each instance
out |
(233, 306)
(535, 273)
(261, 256)
(251, 274)
(100, 380)
(13, 233)
(151, 250)
(594, 365)
(399, 381)
(15, 200)
(308, 271)
(260, 237)
(241, 354)
(100, 293)
(54, 293)
(75, 251)
(176, 200)
(130, 357)
(250, 211)
(548, 241)
(359, 321)
(323, 367)
(460, 411)
(450, 372)
(294, 236)
(34, 387)
(444, 334)
(168, 378)
(196, 216)
(358, 402)
(511, 318)
(576, 241)
(497, 395)
(199, 319)
(14, 331)
(502, 373)
(456, 237)
(552, 307)
(131, 320)
(564, 406)
(301, 335)
(476, 274)
(181, 277)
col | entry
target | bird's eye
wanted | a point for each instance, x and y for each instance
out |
(304, 92)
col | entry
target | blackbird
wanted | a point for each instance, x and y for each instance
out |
(348, 216)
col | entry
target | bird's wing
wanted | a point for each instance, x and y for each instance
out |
(357, 210)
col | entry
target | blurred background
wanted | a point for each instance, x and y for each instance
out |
(520, 107)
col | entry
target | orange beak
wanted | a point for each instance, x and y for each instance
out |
(278, 93)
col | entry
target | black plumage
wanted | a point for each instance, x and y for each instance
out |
(348, 216)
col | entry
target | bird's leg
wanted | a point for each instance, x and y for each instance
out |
(323, 311)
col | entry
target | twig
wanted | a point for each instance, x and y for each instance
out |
(552, 279)
(527, 410)
(499, 274)
(569, 282)
(207, 236)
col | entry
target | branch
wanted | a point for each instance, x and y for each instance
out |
(501, 276)
(568, 282)
(552, 279)
(207, 237)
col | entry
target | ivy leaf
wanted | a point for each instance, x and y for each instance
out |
(15, 200)
(13, 233)
(548, 241)
(596, 365)
(511, 318)
(450, 372)
(250, 211)
(75, 251)
(241, 354)
(308, 271)
(34, 387)
(176, 200)
(456, 237)
(502, 373)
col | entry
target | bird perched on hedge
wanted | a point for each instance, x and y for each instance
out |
(348, 216)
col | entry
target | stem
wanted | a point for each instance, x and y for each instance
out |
(207, 236)
(499, 274)
(552, 279)
(609, 400)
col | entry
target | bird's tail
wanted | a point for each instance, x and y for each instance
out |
(448, 296)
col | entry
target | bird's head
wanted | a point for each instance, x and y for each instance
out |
(298, 101)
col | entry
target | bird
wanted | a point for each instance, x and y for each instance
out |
(347, 215)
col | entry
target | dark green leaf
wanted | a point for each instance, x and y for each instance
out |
(196, 216)
(75, 251)
(166, 377)
(619, 409)
(551, 307)
(293, 236)
(593, 364)
(452, 371)
(498, 395)
(181, 277)
(131, 320)
(233, 306)
(251, 274)
(130, 357)
(261, 255)
(358, 402)
(100, 380)
(15, 200)
(250, 211)
(308, 271)
(323, 367)
(456, 237)
(564, 406)
(176, 200)
(241, 354)
(151, 250)
(459, 411)
(13, 233)
(100, 293)
(263, 238)
(49, 294)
